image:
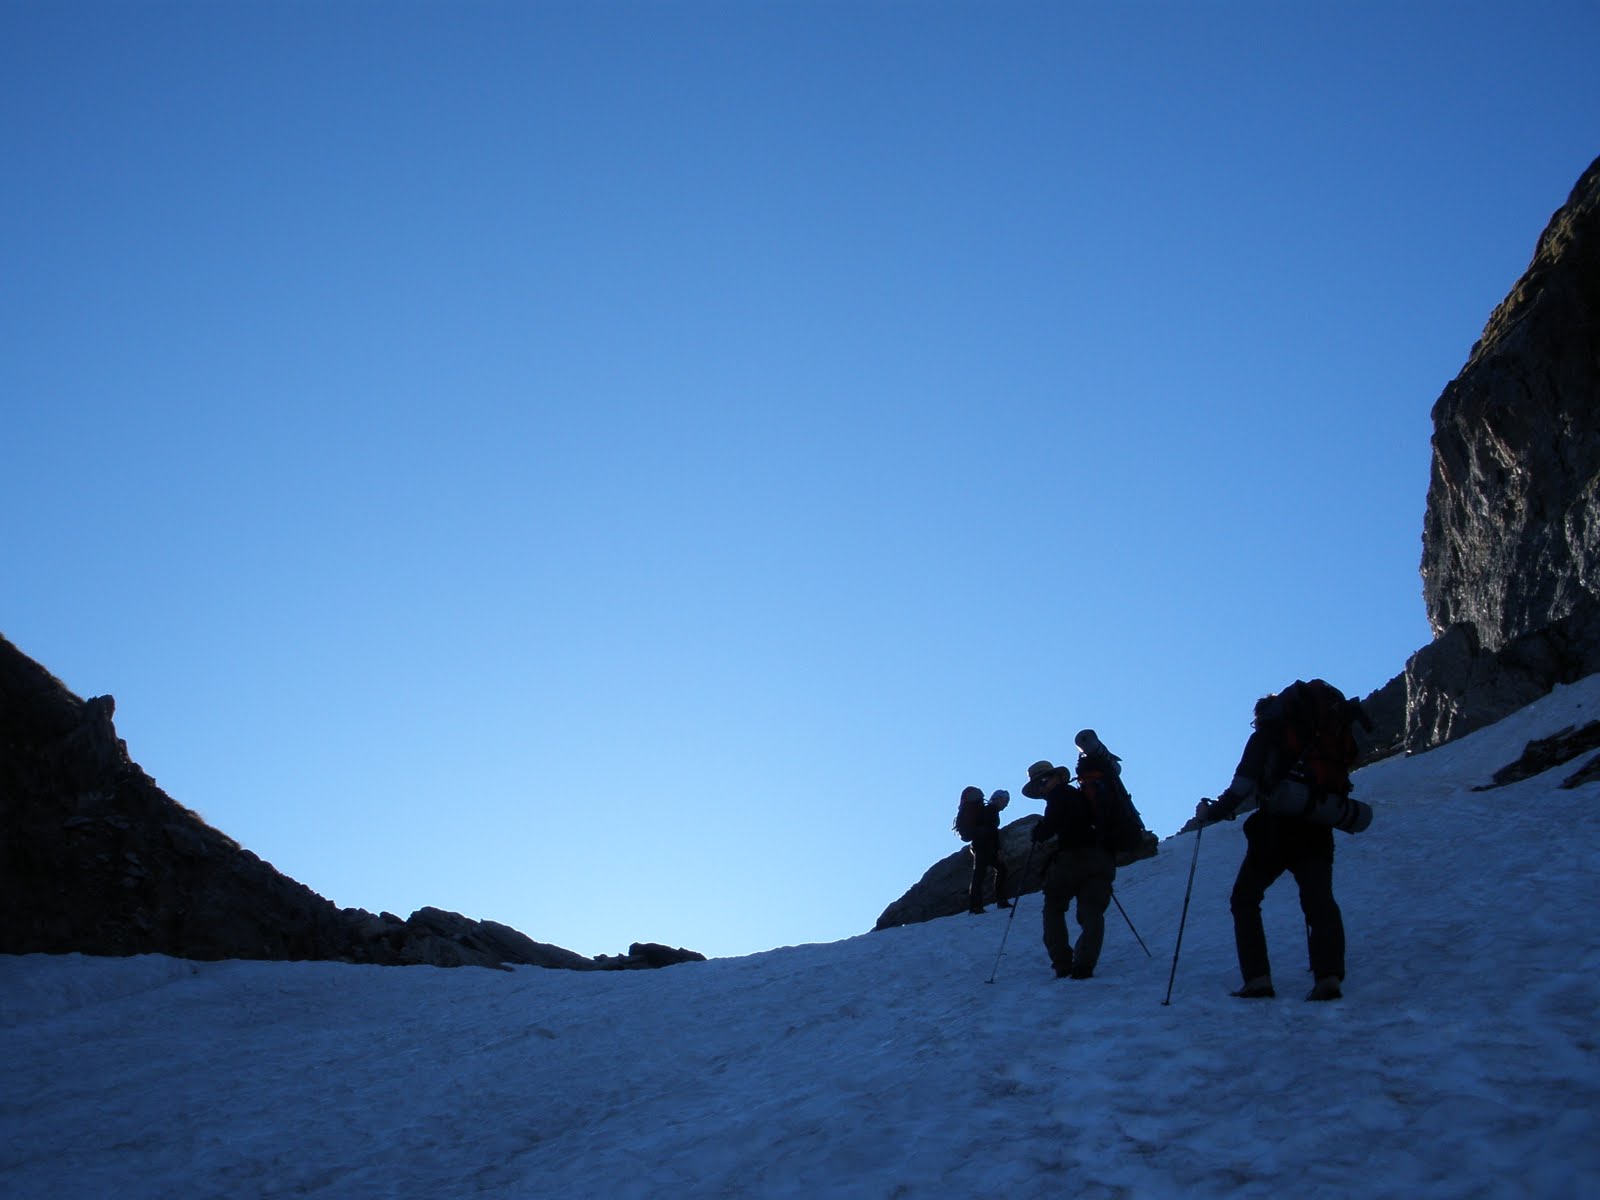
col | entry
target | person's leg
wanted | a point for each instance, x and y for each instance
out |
(1324, 921)
(1057, 895)
(1094, 896)
(1256, 874)
(980, 871)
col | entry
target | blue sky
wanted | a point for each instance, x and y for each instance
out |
(621, 469)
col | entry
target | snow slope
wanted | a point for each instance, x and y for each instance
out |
(1462, 1061)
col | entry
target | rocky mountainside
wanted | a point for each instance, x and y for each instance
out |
(1511, 536)
(95, 858)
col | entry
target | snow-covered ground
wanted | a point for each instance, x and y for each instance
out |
(1462, 1061)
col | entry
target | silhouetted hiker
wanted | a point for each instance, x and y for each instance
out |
(1100, 780)
(1080, 868)
(978, 823)
(1295, 771)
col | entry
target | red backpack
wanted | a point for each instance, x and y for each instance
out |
(1319, 742)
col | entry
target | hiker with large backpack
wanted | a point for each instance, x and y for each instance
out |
(978, 824)
(1295, 771)
(1081, 868)
(1110, 804)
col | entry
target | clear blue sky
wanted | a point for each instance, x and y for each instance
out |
(621, 469)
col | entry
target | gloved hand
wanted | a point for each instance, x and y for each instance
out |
(1206, 811)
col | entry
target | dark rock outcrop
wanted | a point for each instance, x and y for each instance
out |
(942, 890)
(1455, 685)
(1543, 754)
(1386, 709)
(96, 859)
(648, 954)
(1511, 537)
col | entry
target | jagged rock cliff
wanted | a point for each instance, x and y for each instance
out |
(96, 859)
(1511, 536)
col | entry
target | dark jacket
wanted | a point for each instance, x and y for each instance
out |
(1067, 819)
(1283, 838)
(1259, 764)
(1261, 759)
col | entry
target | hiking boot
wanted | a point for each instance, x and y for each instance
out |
(1327, 988)
(1002, 904)
(1082, 972)
(1259, 988)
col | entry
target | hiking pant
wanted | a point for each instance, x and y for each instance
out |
(1275, 845)
(1085, 874)
(986, 856)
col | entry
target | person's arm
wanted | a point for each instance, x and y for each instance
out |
(1243, 793)
(1047, 827)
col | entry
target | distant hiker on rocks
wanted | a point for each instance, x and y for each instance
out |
(1295, 770)
(1080, 868)
(978, 823)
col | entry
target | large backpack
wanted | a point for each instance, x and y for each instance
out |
(1317, 748)
(968, 815)
(1110, 803)
(1318, 735)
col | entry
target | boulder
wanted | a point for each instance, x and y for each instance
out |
(942, 890)
(647, 956)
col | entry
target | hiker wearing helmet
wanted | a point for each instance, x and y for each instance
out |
(1295, 772)
(1080, 868)
(978, 823)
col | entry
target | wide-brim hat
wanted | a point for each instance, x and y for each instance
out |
(1040, 776)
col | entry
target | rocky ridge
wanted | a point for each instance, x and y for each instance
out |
(96, 859)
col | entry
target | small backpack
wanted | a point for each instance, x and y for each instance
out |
(1318, 739)
(1110, 803)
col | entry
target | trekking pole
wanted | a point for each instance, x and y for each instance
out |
(1012, 916)
(1199, 829)
(1128, 919)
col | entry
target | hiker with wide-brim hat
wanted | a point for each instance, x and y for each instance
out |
(1041, 776)
(1080, 868)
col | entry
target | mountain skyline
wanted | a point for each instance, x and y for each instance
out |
(620, 470)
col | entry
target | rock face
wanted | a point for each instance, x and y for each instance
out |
(96, 859)
(1511, 537)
